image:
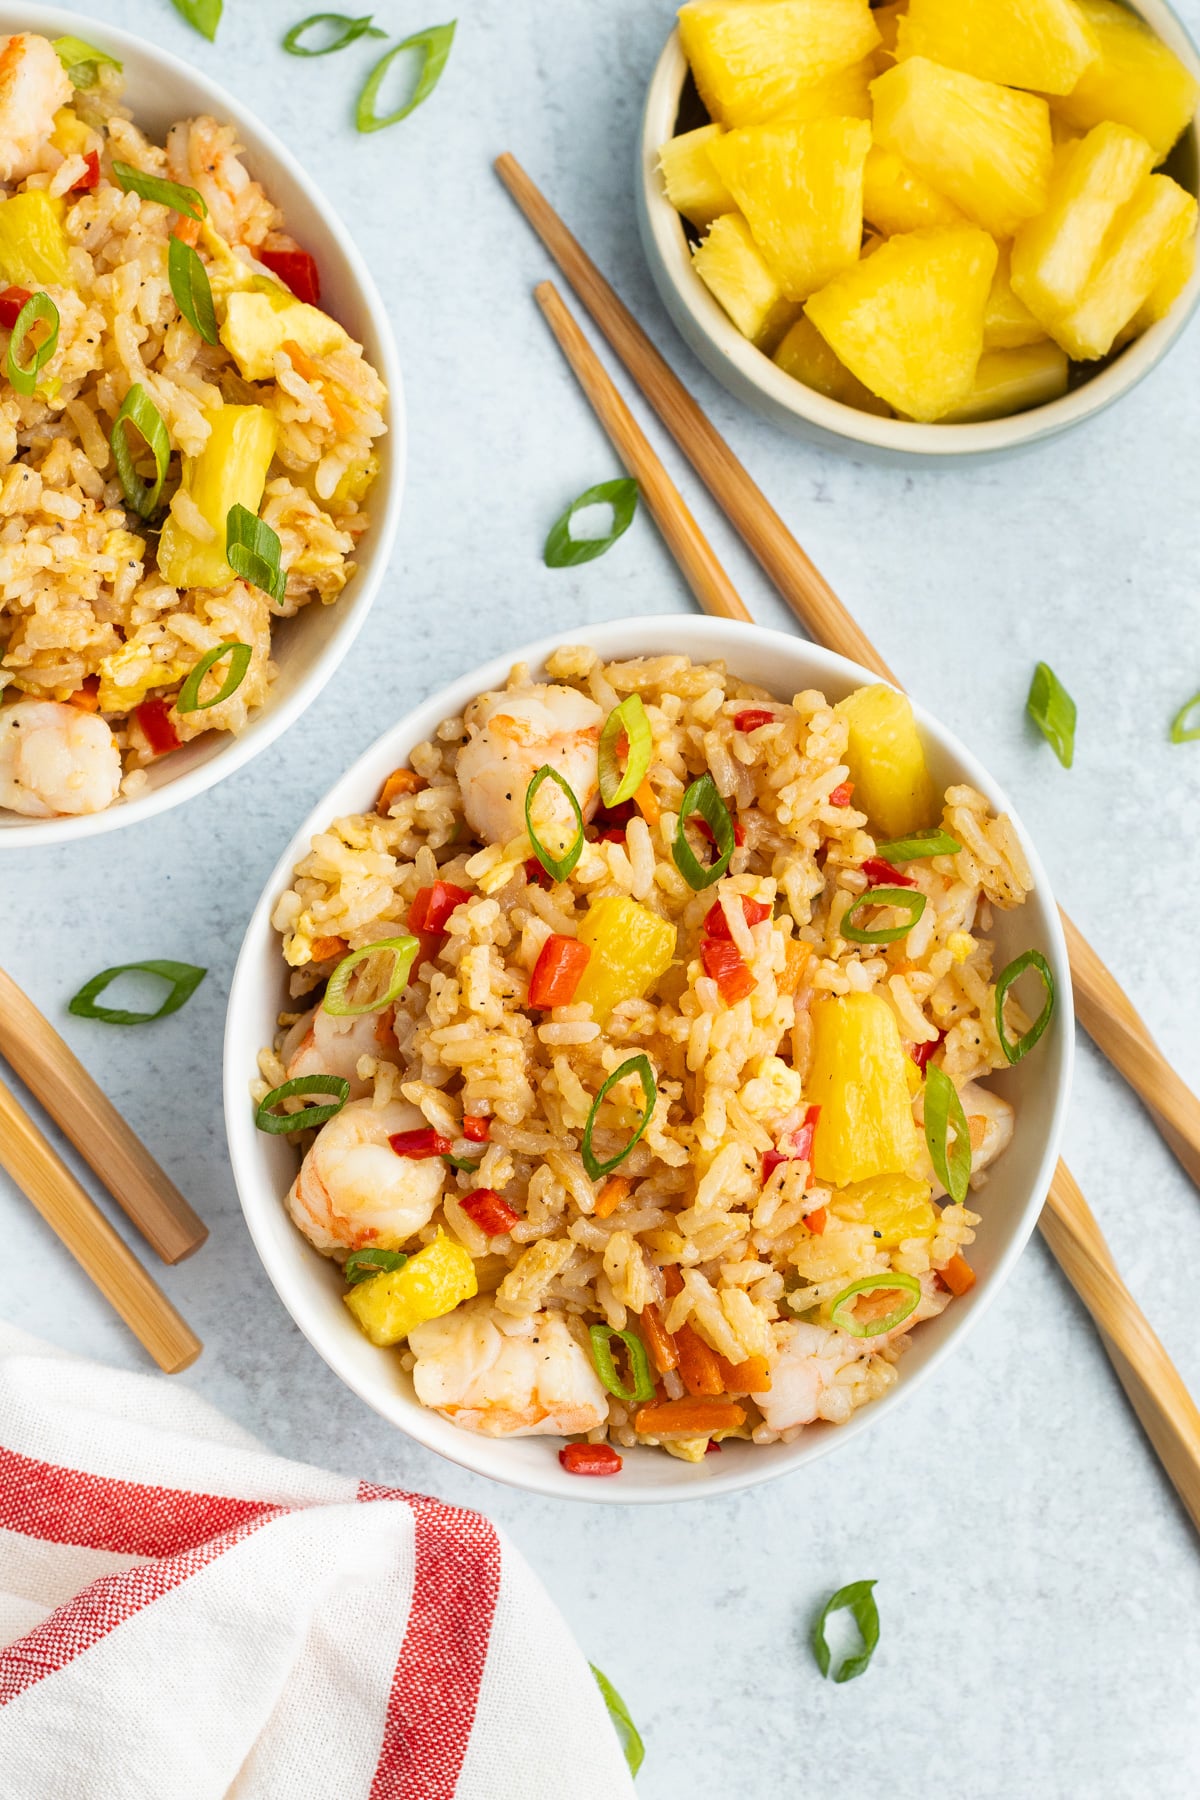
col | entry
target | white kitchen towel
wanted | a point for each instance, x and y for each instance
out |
(184, 1616)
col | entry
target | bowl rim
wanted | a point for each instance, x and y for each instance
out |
(728, 355)
(261, 1202)
(274, 717)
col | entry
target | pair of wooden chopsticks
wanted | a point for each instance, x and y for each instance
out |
(1150, 1379)
(60, 1082)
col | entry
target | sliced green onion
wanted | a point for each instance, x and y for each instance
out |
(606, 1368)
(563, 551)
(636, 1065)
(253, 550)
(203, 15)
(1181, 731)
(283, 1124)
(1032, 959)
(38, 309)
(921, 843)
(402, 951)
(360, 1265)
(139, 410)
(1053, 712)
(435, 44)
(184, 979)
(618, 1712)
(702, 797)
(841, 1313)
(559, 867)
(630, 720)
(82, 60)
(464, 1165)
(858, 1600)
(943, 1109)
(184, 200)
(909, 901)
(239, 661)
(345, 29)
(191, 288)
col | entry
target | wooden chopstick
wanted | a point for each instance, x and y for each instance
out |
(70, 1212)
(1149, 1377)
(56, 1077)
(1105, 1011)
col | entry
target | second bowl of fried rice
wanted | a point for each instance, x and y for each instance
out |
(648, 1060)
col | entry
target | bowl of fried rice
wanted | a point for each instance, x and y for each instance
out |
(648, 1060)
(201, 431)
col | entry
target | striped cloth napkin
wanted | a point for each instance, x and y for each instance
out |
(185, 1617)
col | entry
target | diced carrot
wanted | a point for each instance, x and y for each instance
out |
(385, 1029)
(400, 781)
(300, 360)
(87, 697)
(699, 1367)
(687, 1418)
(614, 1191)
(186, 230)
(646, 801)
(797, 957)
(325, 947)
(673, 1280)
(750, 1377)
(816, 1221)
(657, 1339)
(958, 1275)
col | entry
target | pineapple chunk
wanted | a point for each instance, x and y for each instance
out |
(1011, 381)
(1008, 323)
(631, 950)
(887, 20)
(908, 321)
(846, 95)
(806, 356)
(33, 244)
(896, 1207)
(1053, 256)
(230, 471)
(895, 198)
(257, 325)
(1135, 80)
(1140, 250)
(731, 266)
(1166, 291)
(433, 1282)
(690, 177)
(752, 58)
(858, 1080)
(886, 759)
(987, 148)
(799, 188)
(1042, 44)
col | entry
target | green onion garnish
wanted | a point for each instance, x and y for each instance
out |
(702, 797)
(253, 550)
(184, 978)
(82, 60)
(38, 309)
(905, 898)
(345, 31)
(360, 1265)
(558, 867)
(943, 1109)
(239, 661)
(1053, 712)
(858, 1600)
(464, 1165)
(636, 1065)
(283, 1124)
(435, 44)
(563, 551)
(1181, 731)
(1032, 959)
(841, 1313)
(629, 719)
(203, 15)
(190, 286)
(921, 843)
(606, 1368)
(402, 950)
(618, 1712)
(139, 410)
(184, 200)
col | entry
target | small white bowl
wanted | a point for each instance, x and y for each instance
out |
(307, 649)
(753, 378)
(311, 1287)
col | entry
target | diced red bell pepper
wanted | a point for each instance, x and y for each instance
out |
(535, 874)
(476, 1126)
(724, 962)
(842, 794)
(420, 1145)
(712, 1448)
(297, 270)
(921, 1053)
(590, 1459)
(706, 831)
(154, 717)
(797, 1148)
(717, 925)
(486, 1209)
(752, 719)
(12, 299)
(558, 971)
(816, 1221)
(91, 179)
(432, 906)
(881, 873)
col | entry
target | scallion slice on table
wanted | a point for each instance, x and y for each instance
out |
(81, 60)
(557, 866)
(345, 31)
(1181, 731)
(618, 1712)
(184, 979)
(139, 410)
(921, 843)
(943, 1110)
(1053, 712)
(606, 1368)
(858, 1600)
(283, 1124)
(635, 1065)
(38, 309)
(841, 1313)
(191, 288)
(185, 200)
(360, 1265)
(702, 798)
(563, 551)
(239, 661)
(434, 44)
(402, 951)
(203, 15)
(253, 551)
(629, 721)
(1031, 959)
(905, 899)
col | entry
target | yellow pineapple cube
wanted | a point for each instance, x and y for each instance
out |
(1135, 80)
(886, 759)
(896, 1207)
(908, 321)
(1041, 44)
(846, 95)
(1166, 291)
(1140, 250)
(799, 188)
(887, 20)
(1053, 256)
(689, 175)
(858, 1079)
(804, 355)
(1011, 381)
(895, 198)
(987, 148)
(752, 58)
(731, 266)
(1008, 322)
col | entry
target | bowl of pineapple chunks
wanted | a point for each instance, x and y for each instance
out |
(928, 227)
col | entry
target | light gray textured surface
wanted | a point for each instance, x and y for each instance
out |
(1038, 1583)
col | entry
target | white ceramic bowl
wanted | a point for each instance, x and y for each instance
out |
(753, 378)
(311, 1287)
(307, 649)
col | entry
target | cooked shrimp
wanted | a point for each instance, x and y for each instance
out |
(206, 156)
(506, 1377)
(322, 1044)
(511, 736)
(33, 85)
(353, 1189)
(56, 759)
(990, 1121)
(810, 1358)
